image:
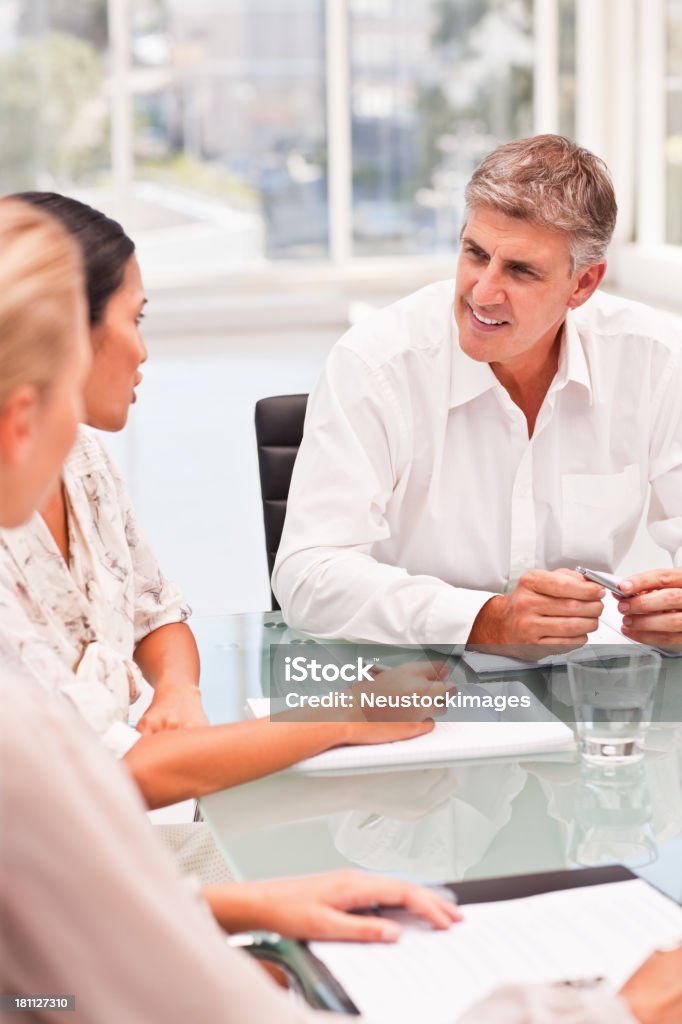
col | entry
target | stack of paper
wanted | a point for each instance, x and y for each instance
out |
(434, 976)
(448, 741)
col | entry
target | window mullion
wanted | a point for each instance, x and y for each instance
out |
(592, 79)
(339, 151)
(651, 123)
(546, 66)
(122, 161)
(623, 104)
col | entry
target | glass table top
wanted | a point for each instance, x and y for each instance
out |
(460, 820)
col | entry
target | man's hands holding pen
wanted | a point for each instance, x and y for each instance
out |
(317, 906)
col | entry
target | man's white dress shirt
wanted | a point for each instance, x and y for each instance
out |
(417, 494)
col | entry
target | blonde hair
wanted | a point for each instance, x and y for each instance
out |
(550, 181)
(41, 286)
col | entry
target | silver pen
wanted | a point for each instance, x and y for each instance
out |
(601, 578)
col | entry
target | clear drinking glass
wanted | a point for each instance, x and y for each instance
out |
(612, 701)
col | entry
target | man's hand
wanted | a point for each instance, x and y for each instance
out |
(173, 708)
(654, 992)
(653, 614)
(317, 907)
(555, 609)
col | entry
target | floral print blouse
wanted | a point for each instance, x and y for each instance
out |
(76, 626)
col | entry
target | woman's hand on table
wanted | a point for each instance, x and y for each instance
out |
(317, 906)
(385, 725)
(356, 722)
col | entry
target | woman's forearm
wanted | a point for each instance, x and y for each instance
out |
(169, 660)
(168, 657)
(179, 764)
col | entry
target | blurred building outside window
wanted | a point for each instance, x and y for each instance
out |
(229, 128)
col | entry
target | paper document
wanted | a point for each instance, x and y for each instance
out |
(448, 741)
(433, 977)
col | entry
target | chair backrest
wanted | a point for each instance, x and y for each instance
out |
(279, 429)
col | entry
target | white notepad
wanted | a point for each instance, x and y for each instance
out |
(448, 741)
(434, 976)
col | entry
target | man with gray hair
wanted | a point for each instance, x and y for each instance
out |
(454, 469)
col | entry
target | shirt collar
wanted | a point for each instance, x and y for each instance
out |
(572, 360)
(469, 378)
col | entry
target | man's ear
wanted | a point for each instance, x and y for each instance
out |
(18, 419)
(587, 281)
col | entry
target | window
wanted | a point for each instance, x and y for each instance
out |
(227, 134)
(230, 123)
(54, 115)
(434, 86)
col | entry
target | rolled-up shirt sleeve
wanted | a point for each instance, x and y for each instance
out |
(326, 578)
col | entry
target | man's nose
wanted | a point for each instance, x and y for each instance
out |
(488, 290)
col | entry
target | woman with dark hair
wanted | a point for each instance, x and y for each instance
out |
(92, 584)
(84, 577)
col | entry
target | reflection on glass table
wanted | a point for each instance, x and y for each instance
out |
(472, 819)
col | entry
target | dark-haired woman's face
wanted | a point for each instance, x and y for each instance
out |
(117, 354)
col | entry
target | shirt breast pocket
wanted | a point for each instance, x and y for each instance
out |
(600, 513)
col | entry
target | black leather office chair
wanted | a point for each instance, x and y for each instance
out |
(279, 429)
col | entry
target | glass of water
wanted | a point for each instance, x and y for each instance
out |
(612, 701)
